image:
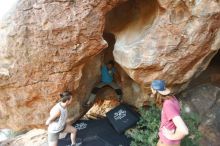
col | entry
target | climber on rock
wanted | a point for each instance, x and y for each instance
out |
(108, 73)
(57, 121)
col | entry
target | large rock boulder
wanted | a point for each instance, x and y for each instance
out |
(48, 46)
(170, 40)
(205, 101)
(35, 137)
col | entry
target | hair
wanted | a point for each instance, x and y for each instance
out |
(111, 62)
(65, 96)
(159, 99)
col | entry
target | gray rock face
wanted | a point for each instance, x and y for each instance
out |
(203, 97)
(205, 100)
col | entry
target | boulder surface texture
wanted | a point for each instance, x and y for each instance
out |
(48, 46)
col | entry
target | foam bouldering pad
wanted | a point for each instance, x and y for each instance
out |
(95, 141)
(88, 141)
(95, 133)
(122, 118)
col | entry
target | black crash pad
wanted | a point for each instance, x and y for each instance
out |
(122, 118)
(89, 141)
(96, 133)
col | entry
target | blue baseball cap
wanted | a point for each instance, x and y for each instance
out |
(160, 86)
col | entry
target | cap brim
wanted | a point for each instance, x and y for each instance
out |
(165, 92)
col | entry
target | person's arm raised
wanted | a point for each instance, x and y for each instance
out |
(55, 113)
(180, 132)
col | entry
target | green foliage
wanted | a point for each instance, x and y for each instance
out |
(192, 121)
(146, 131)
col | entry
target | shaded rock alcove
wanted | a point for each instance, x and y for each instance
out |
(129, 20)
(204, 100)
(202, 96)
(106, 56)
(127, 24)
(211, 75)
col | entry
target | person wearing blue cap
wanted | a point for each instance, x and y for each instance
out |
(172, 127)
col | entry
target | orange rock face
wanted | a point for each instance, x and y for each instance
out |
(175, 42)
(49, 46)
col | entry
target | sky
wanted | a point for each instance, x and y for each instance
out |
(5, 6)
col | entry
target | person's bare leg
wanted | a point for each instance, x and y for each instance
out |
(52, 143)
(53, 139)
(72, 130)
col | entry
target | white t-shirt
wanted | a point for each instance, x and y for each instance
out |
(59, 124)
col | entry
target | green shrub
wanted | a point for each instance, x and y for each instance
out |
(192, 121)
(146, 131)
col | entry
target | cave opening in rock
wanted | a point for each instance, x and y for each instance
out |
(125, 25)
(129, 20)
(108, 52)
(107, 55)
(129, 23)
(211, 75)
(106, 97)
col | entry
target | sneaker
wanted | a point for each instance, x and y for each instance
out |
(77, 144)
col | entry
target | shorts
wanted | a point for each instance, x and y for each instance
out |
(54, 136)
